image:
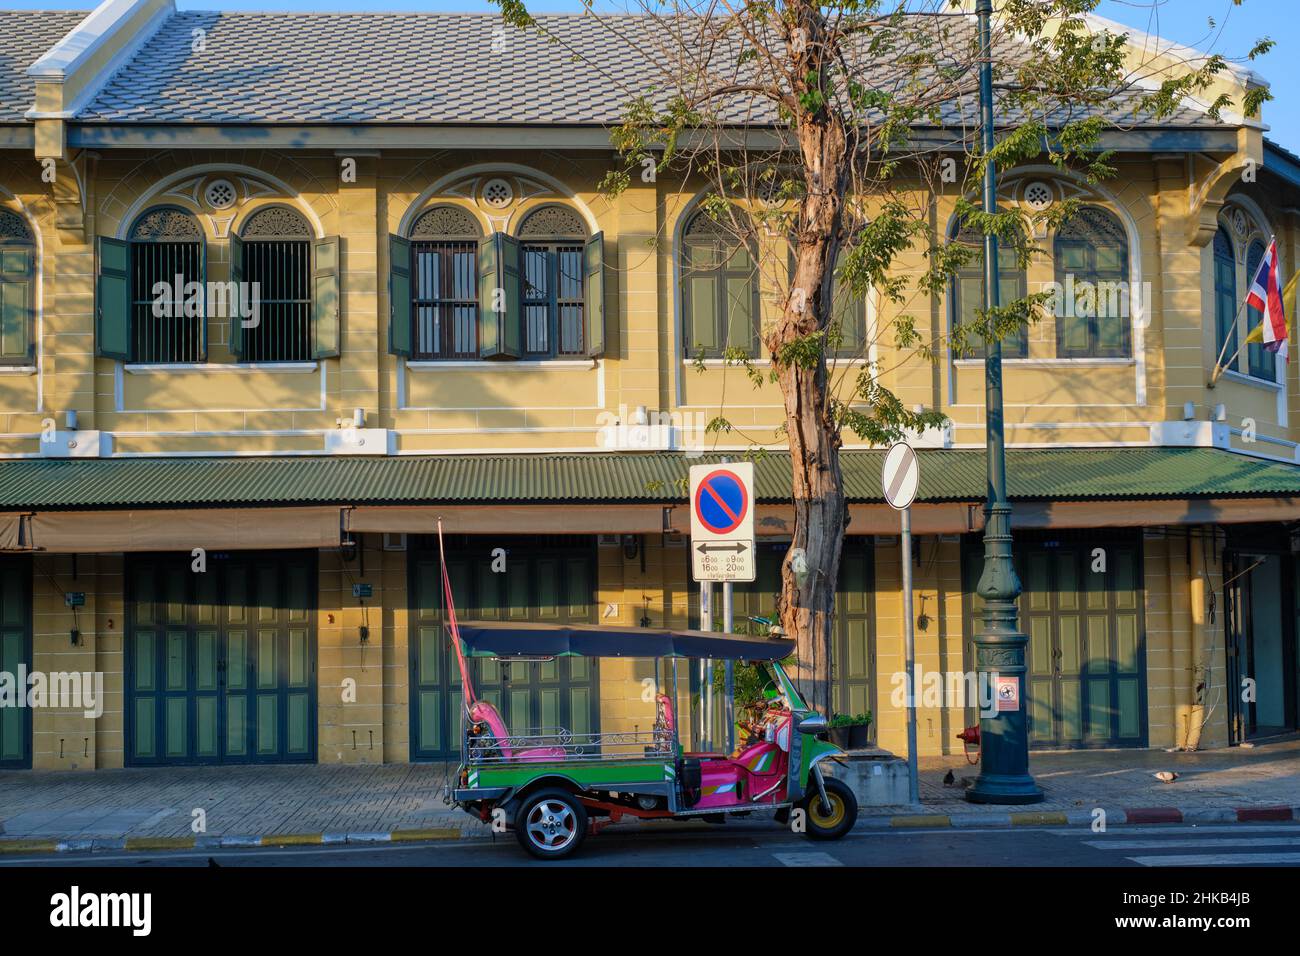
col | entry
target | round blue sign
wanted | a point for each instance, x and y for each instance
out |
(721, 502)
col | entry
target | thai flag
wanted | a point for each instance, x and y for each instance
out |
(1266, 295)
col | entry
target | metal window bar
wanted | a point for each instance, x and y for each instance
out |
(165, 338)
(553, 300)
(281, 272)
(445, 299)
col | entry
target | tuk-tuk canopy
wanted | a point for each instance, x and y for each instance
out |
(492, 639)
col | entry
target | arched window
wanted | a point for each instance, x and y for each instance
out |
(167, 309)
(273, 255)
(1225, 294)
(966, 295)
(719, 289)
(1094, 312)
(444, 293)
(17, 258)
(551, 242)
(1260, 361)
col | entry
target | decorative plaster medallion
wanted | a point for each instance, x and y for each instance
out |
(220, 194)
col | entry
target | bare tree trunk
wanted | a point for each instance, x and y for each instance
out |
(810, 571)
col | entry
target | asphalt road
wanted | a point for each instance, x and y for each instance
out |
(768, 846)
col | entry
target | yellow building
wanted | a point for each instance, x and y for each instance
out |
(226, 515)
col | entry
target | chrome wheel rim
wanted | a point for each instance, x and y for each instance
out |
(551, 825)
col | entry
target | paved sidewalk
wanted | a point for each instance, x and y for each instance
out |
(155, 808)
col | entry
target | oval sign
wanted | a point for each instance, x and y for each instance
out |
(900, 476)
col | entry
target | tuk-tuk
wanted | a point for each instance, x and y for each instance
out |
(553, 786)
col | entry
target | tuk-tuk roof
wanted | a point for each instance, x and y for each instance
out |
(492, 639)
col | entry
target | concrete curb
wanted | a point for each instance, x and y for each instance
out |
(960, 821)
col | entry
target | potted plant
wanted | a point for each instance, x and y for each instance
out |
(849, 731)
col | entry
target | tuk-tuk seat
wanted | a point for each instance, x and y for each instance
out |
(488, 714)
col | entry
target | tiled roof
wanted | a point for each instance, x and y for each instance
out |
(24, 36)
(1059, 474)
(424, 69)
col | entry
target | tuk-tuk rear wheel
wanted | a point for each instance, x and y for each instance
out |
(822, 824)
(551, 824)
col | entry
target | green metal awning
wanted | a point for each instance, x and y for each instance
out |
(1056, 474)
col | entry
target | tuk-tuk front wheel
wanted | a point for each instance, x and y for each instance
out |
(551, 824)
(829, 824)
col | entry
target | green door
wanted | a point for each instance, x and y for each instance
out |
(1081, 607)
(538, 581)
(15, 654)
(853, 652)
(221, 664)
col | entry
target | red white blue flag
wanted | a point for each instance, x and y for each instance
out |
(1266, 295)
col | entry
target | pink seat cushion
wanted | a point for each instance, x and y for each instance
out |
(541, 753)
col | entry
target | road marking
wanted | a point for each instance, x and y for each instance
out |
(1219, 859)
(807, 859)
(1174, 828)
(1189, 843)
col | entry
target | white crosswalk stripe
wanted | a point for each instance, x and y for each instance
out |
(1220, 859)
(1262, 848)
(807, 859)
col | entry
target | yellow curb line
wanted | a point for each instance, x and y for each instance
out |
(922, 820)
(437, 833)
(292, 839)
(159, 843)
(1038, 818)
(28, 846)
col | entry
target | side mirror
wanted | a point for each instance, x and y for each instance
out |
(812, 724)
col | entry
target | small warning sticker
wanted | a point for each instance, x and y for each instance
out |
(1008, 693)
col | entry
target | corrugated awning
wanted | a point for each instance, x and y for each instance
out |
(225, 529)
(1050, 474)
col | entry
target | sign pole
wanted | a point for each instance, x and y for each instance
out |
(909, 651)
(706, 682)
(729, 669)
(900, 477)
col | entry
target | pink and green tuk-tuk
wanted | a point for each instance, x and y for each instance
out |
(553, 786)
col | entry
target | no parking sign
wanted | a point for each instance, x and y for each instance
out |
(722, 522)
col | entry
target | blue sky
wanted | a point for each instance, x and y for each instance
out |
(1185, 21)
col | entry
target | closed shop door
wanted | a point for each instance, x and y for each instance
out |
(15, 657)
(221, 664)
(1081, 607)
(542, 581)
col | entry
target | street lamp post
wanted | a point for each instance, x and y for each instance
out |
(999, 646)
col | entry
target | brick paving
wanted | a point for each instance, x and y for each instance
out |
(378, 799)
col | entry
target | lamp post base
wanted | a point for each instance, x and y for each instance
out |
(1004, 788)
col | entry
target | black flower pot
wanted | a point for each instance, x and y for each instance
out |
(840, 737)
(858, 736)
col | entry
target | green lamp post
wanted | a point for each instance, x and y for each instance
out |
(999, 646)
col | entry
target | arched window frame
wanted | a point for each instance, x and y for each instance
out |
(1248, 236)
(553, 282)
(159, 251)
(1225, 292)
(17, 289)
(1013, 284)
(1093, 247)
(276, 259)
(707, 254)
(445, 240)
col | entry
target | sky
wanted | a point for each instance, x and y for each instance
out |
(1237, 26)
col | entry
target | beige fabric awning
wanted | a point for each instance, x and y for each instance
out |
(229, 529)
(511, 519)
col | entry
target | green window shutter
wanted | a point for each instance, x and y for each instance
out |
(16, 346)
(237, 279)
(593, 290)
(113, 300)
(499, 298)
(325, 295)
(399, 296)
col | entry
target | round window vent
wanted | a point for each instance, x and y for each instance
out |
(1038, 196)
(220, 194)
(497, 193)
